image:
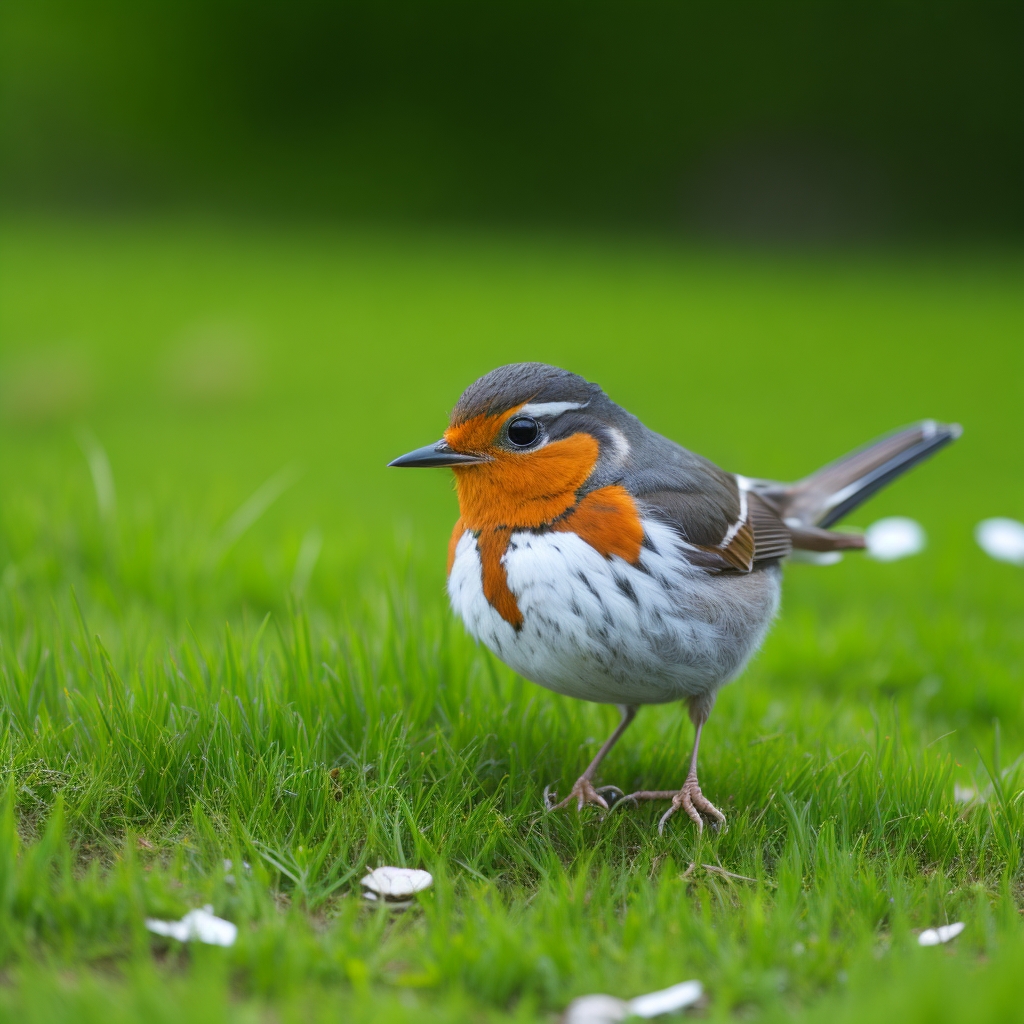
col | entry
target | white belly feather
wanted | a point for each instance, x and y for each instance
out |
(601, 629)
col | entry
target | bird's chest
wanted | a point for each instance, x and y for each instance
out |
(540, 601)
(598, 627)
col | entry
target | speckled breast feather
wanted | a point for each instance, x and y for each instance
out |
(597, 628)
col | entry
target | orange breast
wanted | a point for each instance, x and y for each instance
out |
(534, 490)
(608, 520)
(457, 533)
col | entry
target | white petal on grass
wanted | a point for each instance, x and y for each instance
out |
(893, 538)
(668, 1000)
(396, 883)
(595, 1010)
(964, 794)
(603, 1009)
(1001, 539)
(309, 552)
(102, 474)
(197, 926)
(936, 936)
(817, 557)
(251, 510)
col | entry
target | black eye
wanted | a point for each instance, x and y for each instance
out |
(523, 431)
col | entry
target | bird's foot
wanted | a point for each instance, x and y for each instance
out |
(695, 803)
(583, 792)
(689, 799)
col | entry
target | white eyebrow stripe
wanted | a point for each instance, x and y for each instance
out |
(549, 408)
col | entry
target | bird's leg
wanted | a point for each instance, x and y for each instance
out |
(583, 791)
(689, 798)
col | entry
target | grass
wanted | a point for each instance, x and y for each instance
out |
(223, 636)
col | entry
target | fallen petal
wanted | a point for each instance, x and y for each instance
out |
(172, 929)
(964, 794)
(816, 557)
(936, 936)
(197, 926)
(602, 1009)
(686, 993)
(894, 537)
(1002, 539)
(397, 883)
(596, 1010)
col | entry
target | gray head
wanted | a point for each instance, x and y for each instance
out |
(535, 384)
(522, 408)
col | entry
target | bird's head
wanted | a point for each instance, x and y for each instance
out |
(524, 440)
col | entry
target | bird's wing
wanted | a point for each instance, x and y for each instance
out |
(725, 526)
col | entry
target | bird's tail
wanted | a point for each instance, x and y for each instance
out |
(820, 500)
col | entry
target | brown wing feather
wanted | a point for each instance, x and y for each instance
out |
(771, 535)
(739, 552)
(760, 536)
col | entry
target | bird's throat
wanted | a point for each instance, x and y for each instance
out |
(526, 490)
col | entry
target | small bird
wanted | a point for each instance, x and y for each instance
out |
(608, 563)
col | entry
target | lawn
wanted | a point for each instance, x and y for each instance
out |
(224, 637)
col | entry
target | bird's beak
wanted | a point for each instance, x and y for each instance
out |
(437, 454)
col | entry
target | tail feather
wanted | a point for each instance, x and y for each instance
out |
(823, 498)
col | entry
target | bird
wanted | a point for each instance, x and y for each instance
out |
(608, 563)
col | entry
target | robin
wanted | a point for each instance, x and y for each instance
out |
(608, 563)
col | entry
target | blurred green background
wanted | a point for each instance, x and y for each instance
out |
(789, 119)
(217, 367)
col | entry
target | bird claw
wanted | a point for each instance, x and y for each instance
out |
(691, 800)
(583, 792)
(611, 793)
